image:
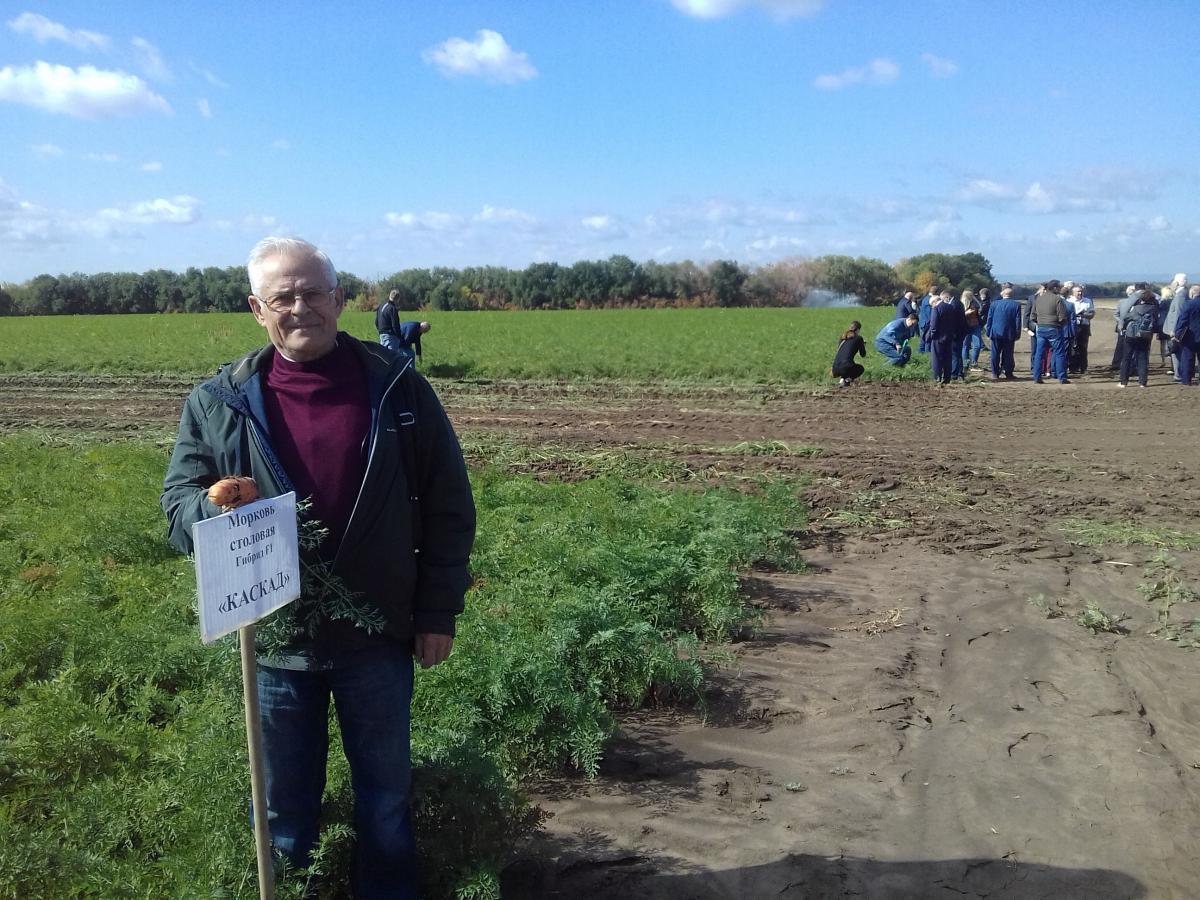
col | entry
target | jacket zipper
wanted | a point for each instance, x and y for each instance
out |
(370, 456)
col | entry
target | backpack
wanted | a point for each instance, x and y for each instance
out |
(1143, 322)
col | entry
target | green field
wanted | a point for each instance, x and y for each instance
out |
(122, 759)
(725, 345)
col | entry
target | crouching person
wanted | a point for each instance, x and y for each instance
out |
(892, 340)
(845, 369)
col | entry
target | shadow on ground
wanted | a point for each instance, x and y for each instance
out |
(588, 871)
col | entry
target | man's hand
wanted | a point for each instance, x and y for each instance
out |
(431, 649)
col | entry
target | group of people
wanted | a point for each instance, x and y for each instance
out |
(1058, 319)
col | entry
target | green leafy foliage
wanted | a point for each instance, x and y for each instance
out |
(713, 345)
(122, 753)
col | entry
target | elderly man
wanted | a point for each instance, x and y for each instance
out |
(355, 429)
(1003, 326)
(1083, 309)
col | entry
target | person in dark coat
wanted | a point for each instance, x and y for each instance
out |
(1139, 325)
(1003, 326)
(845, 369)
(353, 427)
(1186, 336)
(906, 305)
(946, 323)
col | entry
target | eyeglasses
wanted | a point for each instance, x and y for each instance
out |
(285, 302)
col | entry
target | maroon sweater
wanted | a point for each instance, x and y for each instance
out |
(319, 415)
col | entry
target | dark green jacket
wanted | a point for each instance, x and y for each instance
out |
(410, 534)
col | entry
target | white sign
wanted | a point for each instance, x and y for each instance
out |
(247, 564)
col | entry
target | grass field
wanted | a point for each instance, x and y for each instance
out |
(727, 345)
(122, 755)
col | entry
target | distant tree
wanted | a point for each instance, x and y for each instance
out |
(537, 287)
(726, 282)
(872, 280)
(961, 272)
(8, 305)
(355, 288)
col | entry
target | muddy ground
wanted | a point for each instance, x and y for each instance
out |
(907, 723)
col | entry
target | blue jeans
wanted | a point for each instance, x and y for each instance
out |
(372, 699)
(392, 342)
(896, 357)
(1050, 336)
(971, 345)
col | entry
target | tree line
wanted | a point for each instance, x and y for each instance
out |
(588, 284)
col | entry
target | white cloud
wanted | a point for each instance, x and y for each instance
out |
(44, 30)
(1159, 223)
(984, 190)
(718, 9)
(178, 210)
(204, 107)
(150, 59)
(939, 66)
(877, 71)
(152, 166)
(425, 221)
(596, 223)
(102, 157)
(209, 76)
(281, 144)
(489, 57)
(86, 92)
(46, 151)
(500, 214)
(1063, 234)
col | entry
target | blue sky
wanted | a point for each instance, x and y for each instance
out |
(1056, 138)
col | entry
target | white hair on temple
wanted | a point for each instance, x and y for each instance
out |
(285, 246)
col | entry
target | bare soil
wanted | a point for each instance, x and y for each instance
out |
(906, 724)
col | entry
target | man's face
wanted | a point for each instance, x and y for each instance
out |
(1077, 293)
(301, 332)
(908, 295)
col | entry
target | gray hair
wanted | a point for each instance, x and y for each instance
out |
(1180, 280)
(285, 246)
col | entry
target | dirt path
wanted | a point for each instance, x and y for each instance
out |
(907, 724)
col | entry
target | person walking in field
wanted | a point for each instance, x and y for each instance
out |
(1174, 296)
(892, 341)
(1003, 326)
(355, 429)
(1139, 325)
(845, 369)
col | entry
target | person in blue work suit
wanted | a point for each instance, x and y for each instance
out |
(924, 309)
(946, 324)
(1003, 326)
(409, 337)
(957, 369)
(892, 340)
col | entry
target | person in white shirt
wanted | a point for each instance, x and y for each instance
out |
(1084, 310)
